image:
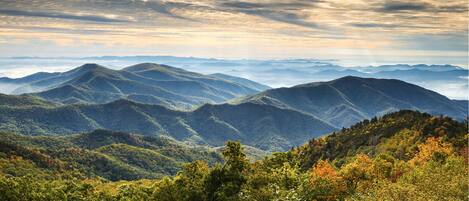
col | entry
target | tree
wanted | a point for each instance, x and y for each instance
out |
(433, 148)
(190, 181)
(326, 183)
(225, 182)
(357, 173)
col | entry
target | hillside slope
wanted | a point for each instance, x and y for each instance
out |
(243, 81)
(406, 155)
(262, 126)
(345, 101)
(146, 82)
(111, 155)
(397, 134)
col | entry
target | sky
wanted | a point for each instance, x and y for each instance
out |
(355, 32)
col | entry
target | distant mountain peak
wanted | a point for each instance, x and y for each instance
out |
(349, 80)
(349, 99)
(346, 79)
(86, 68)
(151, 66)
(146, 82)
(90, 66)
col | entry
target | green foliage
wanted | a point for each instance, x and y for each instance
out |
(396, 134)
(110, 155)
(29, 188)
(225, 182)
(265, 127)
(401, 156)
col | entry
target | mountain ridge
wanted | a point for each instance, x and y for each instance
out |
(363, 97)
(262, 126)
(273, 120)
(161, 84)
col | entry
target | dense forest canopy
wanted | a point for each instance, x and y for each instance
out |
(405, 155)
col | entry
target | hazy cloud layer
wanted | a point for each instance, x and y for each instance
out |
(339, 29)
(92, 18)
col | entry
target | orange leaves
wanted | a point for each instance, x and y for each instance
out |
(326, 183)
(324, 169)
(433, 148)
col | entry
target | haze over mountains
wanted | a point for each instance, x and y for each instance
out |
(449, 80)
(345, 101)
(147, 99)
(146, 82)
(262, 126)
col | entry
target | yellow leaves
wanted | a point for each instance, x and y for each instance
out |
(401, 145)
(433, 148)
(358, 169)
(386, 177)
(357, 173)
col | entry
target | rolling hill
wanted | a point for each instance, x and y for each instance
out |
(146, 82)
(345, 101)
(110, 155)
(262, 126)
(397, 134)
(243, 81)
(406, 155)
(273, 120)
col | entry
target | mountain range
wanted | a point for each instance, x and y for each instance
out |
(272, 120)
(291, 71)
(146, 83)
(345, 101)
(409, 74)
(406, 155)
(262, 126)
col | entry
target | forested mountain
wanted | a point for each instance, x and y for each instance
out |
(397, 134)
(262, 126)
(273, 120)
(146, 82)
(106, 154)
(345, 101)
(243, 81)
(462, 103)
(405, 155)
(23, 101)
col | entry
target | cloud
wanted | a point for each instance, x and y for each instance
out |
(420, 6)
(59, 30)
(49, 14)
(280, 12)
(270, 5)
(393, 6)
(454, 8)
(239, 28)
(167, 8)
(386, 25)
(373, 25)
(286, 17)
(457, 41)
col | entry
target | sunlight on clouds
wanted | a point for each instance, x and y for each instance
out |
(238, 28)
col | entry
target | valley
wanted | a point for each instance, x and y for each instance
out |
(156, 132)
